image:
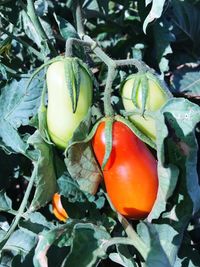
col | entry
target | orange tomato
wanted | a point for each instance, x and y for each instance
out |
(130, 174)
(58, 209)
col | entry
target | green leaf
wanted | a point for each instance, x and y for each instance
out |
(46, 178)
(5, 202)
(162, 251)
(29, 29)
(60, 236)
(69, 188)
(178, 157)
(41, 7)
(188, 254)
(185, 80)
(82, 166)
(86, 250)
(66, 29)
(162, 43)
(80, 159)
(17, 105)
(21, 242)
(185, 18)
(80, 204)
(123, 257)
(3, 72)
(36, 223)
(155, 12)
(10, 140)
(33, 33)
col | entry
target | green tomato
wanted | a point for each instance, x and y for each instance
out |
(61, 120)
(156, 98)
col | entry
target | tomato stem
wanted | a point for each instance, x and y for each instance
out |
(109, 112)
(131, 233)
(79, 19)
(112, 65)
(140, 65)
(138, 112)
(125, 241)
(72, 41)
(21, 209)
(137, 242)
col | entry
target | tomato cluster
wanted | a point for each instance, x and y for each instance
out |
(130, 174)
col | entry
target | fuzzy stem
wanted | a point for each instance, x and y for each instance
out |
(20, 211)
(131, 233)
(141, 66)
(14, 212)
(38, 26)
(79, 19)
(125, 241)
(72, 41)
(99, 52)
(109, 112)
(137, 111)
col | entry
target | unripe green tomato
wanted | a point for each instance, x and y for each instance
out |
(156, 98)
(61, 120)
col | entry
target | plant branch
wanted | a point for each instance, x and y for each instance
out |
(38, 26)
(131, 233)
(124, 241)
(72, 41)
(141, 66)
(14, 212)
(20, 211)
(111, 64)
(99, 52)
(137, 111)
(109, 112)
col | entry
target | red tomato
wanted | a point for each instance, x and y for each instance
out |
(58, 209)
(130, 174)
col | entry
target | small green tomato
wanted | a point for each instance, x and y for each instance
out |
(156, 97)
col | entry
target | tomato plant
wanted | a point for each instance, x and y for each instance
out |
(62, 120)
(84, 111)
(130, 174)
(133, 90)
